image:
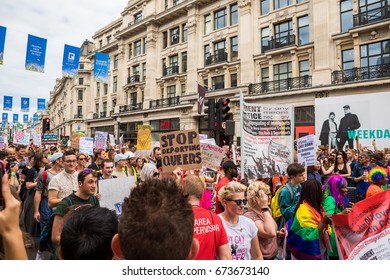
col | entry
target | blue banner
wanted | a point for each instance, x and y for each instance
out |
(15, 119)
(3, 124)
(41, 104)
(100, 72)
(3, 31)
(25, 118)
(4, 117)
(70, 61)
(25, 104)
(35, 55)
(7, 106)
(35, 118)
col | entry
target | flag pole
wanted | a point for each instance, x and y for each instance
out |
(242, 133)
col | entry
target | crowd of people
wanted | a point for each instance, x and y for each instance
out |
(182, 214)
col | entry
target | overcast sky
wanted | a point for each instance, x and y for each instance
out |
(60, 22)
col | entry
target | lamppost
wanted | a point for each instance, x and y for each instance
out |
(118, 119)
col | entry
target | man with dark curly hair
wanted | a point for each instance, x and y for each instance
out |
(157, 223)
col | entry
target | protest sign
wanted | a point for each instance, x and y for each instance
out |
(100, 140)
(112, 139)
(307, 150)
(180, 149)
(21, 138)
(210, 141)
(113, 191)
(1, 142)
(36, 138)
(49, 139)
(144, 134)
(86, 145)
(268, 139)
(364, 233)
(75, 140)
(212, 156)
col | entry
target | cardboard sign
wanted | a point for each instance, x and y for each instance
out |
(212, 156)
(307, 150)
(75, 140)
(114, 191)
(144, 135)
(100, 140)
(86, 145)
(180, 149)
(49, 139)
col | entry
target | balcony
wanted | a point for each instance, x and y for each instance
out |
(133, 79)
(361, 73)
(280, 85)
(166, 102)
(217, 58)
(167, 71)
(371, 16)
(130, 108)
(78, 116)
(281, 42)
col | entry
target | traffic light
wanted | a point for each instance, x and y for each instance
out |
(209, 109)
(223, 110)
(46, 125)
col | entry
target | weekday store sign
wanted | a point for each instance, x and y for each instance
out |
(180, 149)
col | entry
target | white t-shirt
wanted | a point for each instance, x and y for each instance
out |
(64, 183)
(240, 237)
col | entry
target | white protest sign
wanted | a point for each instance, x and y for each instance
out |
(36, 138)
(212, 155)
(210, 141)
(21, 138)
(1, 142)
(112, 139)
(100, 140)
(114, 191)
(86, 145)
(307, 150)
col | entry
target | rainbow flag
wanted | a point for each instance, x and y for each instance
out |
(303, 238)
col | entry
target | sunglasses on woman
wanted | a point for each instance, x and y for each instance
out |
(239, 201)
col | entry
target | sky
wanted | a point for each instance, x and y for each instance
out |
(60, 22)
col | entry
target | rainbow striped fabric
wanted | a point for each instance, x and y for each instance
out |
(303, 237)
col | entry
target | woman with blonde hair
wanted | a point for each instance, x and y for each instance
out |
(259, 198)
(241, 231)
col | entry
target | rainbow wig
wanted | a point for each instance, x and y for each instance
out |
(377, 175)
(332, 187)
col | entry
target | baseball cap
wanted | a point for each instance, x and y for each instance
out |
(119, 157)
(56, 156)
(228, 164)
(129, 155)
(346, 107)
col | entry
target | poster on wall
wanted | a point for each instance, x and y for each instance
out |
(268, 139)
(340, 120)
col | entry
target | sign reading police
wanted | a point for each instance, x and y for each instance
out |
(180, 149)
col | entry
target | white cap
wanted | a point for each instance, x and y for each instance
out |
(130, 154)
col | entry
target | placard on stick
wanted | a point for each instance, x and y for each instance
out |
(180, 149)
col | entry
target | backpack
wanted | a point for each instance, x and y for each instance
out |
(275, 207)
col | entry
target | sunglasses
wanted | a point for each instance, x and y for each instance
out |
(239, 201)
(156, 174)
(82, 159)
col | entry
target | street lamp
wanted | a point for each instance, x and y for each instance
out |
(118, 119)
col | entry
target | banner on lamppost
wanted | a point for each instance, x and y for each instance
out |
(35, 118)
(3, 31)
(70, 61)
(7, 104)
(15, 118)
(4, 117)
(41, 104)
(25, 118)
(35, 55)
(100, 72)
(25, 104)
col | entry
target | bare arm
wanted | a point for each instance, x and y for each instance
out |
(327, 172)
(255, 249)
(53, 198)
(58, 224)
(266, 229)
(37, 202)
(223, 252)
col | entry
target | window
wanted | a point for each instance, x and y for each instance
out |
(166, 4)
(174, 36)
(219, 47)
(183, 89)
(218, 82)
(281, 3)
(206, 84)
(79, 111)
(165, 39)
(133, 99)
(304, 68)
(346, 15)
(130, 50)
(144, 71)
(233, 48)
(284, 34)
(105, 87)
(347, 59)
(97, 89)
(184, 62)
(81, 81)
(115, 84)
(233, 14)
(173, 60)
(207, 24)
(108, 39)
(375, 54)
(184, 36)
(100, 43)
(303, 30)
(137, 48)
(264, 7)
(176, 2)
(144, 46)
(265, 78)
(97, 108)
(104, 107)
(80, 95)
(264, 39)
(81, 66)
(220, 19)
(137, 17)
(282, 71)
(171, 91)
(136, 70)
(370, 11)
(233, 80)
(206, 52)
(116, 60)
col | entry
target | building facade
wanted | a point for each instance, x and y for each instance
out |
(275, 51)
